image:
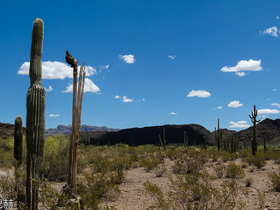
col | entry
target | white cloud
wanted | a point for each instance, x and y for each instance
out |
(127, 58)
(89, 87)
(54, 115)
(277, 17)
(117, 96)
(173, 113)
(273, 31)
(239, 124)
(199, 93)
(144, 99)
(240, 74)
(172, 56)
(274, 90)
(268, 111)
(219, 107)
(49, 89)
(275, 104)
(126, 100)
(242, 66)
(55, 70)
(104, 67)
(235, 104)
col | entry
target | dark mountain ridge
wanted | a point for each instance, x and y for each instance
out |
(268, 129)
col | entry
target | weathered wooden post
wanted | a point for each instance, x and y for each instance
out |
(76, 121)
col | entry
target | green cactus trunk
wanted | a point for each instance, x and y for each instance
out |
(18, 140)
(254, 120)
(35, 120)
(18, 156)
(218, 135)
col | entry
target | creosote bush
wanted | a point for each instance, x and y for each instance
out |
(195, 191)
(274, 177)
(234, 171)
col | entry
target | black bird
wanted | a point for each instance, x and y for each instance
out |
(70, 59)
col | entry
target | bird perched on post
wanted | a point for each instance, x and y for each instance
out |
(70, 59)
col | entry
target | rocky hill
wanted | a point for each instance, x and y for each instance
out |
(150, 135)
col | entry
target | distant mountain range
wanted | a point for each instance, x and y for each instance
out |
(268, 129)
(62, 129)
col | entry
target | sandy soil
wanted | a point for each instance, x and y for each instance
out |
(132, 199)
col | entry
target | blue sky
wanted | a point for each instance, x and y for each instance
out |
(148, 62)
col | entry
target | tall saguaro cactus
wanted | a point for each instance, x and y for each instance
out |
(254, 120)
(76, 120)
(35, 120)
(218, 135)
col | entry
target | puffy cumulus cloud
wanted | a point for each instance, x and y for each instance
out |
(268, 111)
(242, 66)
(173, 113)
(89, 87)
(127, 58)
(55, 70)
(49, 89)
(273, 31)
(127, 100)
(117, 96)
(172, 56)
(235, 104)
(199, 93)
(54, 115)
(239, 124)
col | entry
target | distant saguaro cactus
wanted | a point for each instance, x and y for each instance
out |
(18, 140)
(186, 140)
(35, 120)
(254, 120)
(162, 141)
(218, 135)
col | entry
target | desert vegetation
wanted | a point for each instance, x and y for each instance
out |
(195, 178)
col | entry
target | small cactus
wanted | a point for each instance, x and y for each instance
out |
(18, 140)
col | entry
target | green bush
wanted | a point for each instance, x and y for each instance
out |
(55, 160)
(195, 191)
(275, 179)
(234, 171)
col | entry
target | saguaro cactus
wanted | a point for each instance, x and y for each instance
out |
(254, 120)
(218, 135)
(35, 120)
(18, 140)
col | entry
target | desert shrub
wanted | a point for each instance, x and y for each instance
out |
(160, 170)
(248, 182)
(186, 164)
(261, 197)
(95, 187)
(275, 179)
(234, 171)
(258, 160)
(150, 162)
(229, 156)
(195, 191)
(55, 159)
(8, 185)
(219, 170)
